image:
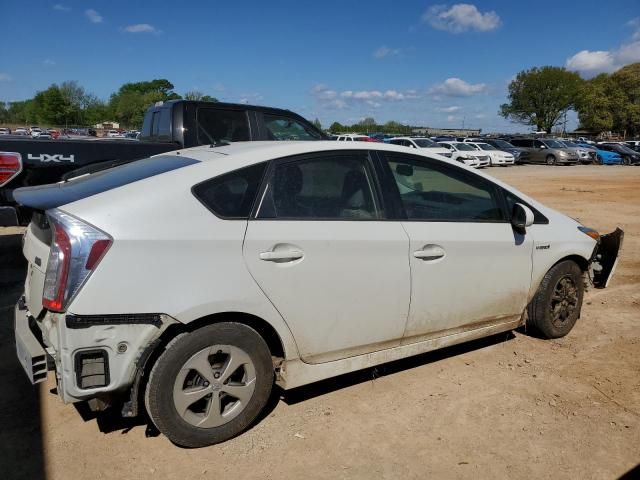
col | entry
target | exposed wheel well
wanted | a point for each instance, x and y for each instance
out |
(582, 262)
(155, 349)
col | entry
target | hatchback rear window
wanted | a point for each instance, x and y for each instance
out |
(43, 197)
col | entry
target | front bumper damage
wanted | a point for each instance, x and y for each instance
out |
(605, 258)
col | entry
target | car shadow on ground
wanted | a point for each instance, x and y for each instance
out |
(21, 444)
(300, 394)
(110, 420)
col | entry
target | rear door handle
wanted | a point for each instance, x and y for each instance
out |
(281, 255)
(429, 252)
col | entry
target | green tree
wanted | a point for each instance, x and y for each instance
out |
(130, 102)
(594, 104)
(541, 96)
(336, 127)
(197, 95)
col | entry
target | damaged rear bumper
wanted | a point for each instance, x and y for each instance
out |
(605, 258)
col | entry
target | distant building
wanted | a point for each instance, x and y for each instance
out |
(107, 126)
(456, 132)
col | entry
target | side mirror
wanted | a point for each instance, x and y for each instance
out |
(521, 216)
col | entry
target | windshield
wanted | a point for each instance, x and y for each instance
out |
(502, 144)
(425, 143)
(465, 147)
(486, 146)
(623, 148)
(571, 144)
(553, 144)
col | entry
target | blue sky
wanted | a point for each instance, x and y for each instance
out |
(420, 62)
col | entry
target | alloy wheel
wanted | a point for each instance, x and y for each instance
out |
(564, 301)
(214, 386)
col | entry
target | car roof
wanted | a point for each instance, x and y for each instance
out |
(253, 152)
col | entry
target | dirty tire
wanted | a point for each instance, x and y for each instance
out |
(168, 374)
(551, 160)
(556, 306)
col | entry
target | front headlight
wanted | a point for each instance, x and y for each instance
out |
(562, 153)
(590, 232)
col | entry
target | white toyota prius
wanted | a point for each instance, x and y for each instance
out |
(188, 283)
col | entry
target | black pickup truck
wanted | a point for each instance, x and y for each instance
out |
(167, 126)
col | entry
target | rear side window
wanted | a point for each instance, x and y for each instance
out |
(163, 126)
(231, 195)
(217, 125)
(286, 128)
(324, 187)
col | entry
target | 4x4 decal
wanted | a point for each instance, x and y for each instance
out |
(56, 157)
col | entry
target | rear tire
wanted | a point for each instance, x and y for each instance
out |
(210, 385)
(551, 160)
(556, 306)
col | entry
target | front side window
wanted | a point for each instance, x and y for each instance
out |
(231, 195)
(327, 187)
(216, 125)
(285, 128)
(433, 192)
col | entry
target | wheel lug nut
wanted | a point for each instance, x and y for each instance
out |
(216, 375)
(206, 384)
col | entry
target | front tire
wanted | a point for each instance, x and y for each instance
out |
(209, 385)
(556, 306)
(551, 160)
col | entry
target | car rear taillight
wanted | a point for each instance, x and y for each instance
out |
(76, 251)
(10, 166)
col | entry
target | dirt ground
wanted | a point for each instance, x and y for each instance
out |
(511, 406)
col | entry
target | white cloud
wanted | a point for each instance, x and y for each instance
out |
(451, 109)
(461, 17)
(93, 16)
(456, 87)
(5, 77)
(590, 63)
(333, 99)
(385, 51)
(452, 118)
(141, 28)
(48, 62)
(250, 98)
(61, 8)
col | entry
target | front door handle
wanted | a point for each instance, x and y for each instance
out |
(429, 252)
(281, 255)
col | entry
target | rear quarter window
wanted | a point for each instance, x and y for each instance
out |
(231, 196)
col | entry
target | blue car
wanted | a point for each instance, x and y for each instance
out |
(605, 157)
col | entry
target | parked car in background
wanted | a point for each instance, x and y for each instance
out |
(44, 135)
(421, 142)
(465, 153)
(544, 150)
(629, 156)
(307, 275)
(500, 144)
(584, 155)
(21, 131)
(603, 157)
(354, 137)
(35, 132)
(53, 133)
(633, 145)
(496, 157)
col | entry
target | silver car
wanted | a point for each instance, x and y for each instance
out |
(544, 150)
